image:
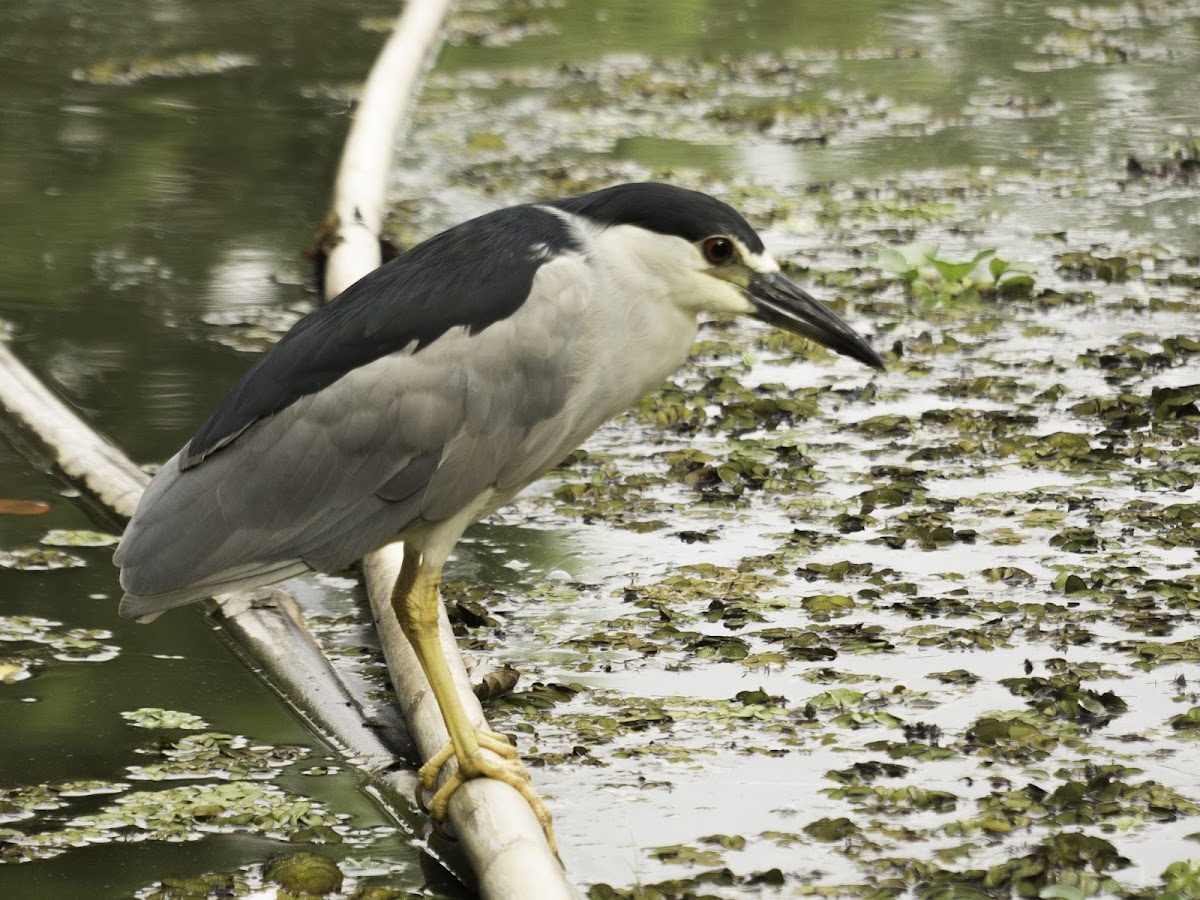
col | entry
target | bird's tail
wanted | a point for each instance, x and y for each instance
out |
(148, 607)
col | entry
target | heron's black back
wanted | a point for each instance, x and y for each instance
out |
(472, 276)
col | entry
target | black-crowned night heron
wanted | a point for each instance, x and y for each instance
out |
(428, 394)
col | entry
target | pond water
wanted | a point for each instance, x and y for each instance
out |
(139, 213)
(790, 625)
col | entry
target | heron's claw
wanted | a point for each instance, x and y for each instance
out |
(507, 769)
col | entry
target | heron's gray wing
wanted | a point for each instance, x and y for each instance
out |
(470, 276)
(300, 486)
(410, 438)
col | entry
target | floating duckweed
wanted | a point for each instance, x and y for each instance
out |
(150, 717)
(125, 72)
(13, 670)
(897, 801)
(829, 830)
(495, 30)
(1187, 723)
(305, 873)
(200, 887)
(682, 854)
(1014, 736)
(78, 538)
(185, 813)
(72, 645)
(38, 559)
(216, 755)
(1062, 696)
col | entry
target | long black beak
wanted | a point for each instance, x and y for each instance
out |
(780, 302)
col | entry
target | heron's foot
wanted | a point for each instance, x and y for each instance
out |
(507, 768)
(488, 740)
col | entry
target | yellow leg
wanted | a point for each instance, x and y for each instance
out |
(415, 601)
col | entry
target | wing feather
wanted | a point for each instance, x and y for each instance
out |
(469, 277)
(403, 441)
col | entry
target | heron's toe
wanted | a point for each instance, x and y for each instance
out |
(496, 758)
(511, 772)
(428, 774)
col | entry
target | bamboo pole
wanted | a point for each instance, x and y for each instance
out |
(498, 831)
(360, 191)
(57, 434)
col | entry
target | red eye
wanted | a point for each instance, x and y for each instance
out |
(718, 250)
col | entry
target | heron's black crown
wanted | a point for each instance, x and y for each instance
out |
(665, 209)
